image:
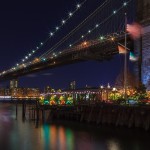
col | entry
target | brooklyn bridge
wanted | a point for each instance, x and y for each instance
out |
(100, 42)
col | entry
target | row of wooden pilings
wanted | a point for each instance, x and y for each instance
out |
(30, 108)
(102, 114)
(97, 114)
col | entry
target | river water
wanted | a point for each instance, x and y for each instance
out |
(19, 134)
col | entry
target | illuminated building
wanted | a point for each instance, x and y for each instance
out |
(25, 92)
(33, 92)
(73, 85)
(13, 83)
(17, 92)
(7, 92)
(2, 91)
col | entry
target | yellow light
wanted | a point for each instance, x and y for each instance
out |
(112, 38)
(85, 43)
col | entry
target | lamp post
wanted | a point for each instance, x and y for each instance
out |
(108, 88)
(101, 89)
(114, 91)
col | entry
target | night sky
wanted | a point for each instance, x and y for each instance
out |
(24, 24)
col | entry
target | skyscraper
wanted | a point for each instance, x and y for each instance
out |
(73, 85)
(13, 83)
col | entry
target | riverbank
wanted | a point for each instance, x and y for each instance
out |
(96, 114)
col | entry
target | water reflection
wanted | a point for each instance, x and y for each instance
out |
(19, 135)
(57, 137)
(113, 145)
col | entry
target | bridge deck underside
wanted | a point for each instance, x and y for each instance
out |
(101, 51)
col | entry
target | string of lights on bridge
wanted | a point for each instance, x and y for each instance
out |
(89, 32)
(52, 33)
(75, 29)
(107, 37)
(101, 38)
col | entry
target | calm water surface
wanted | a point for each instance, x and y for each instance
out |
(17, 134)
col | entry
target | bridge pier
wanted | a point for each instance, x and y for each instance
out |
(23, 109)
(37, 112)
(142, 46)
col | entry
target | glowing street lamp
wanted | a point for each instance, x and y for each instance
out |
(107, 90)
(101, 90)
(114, 91)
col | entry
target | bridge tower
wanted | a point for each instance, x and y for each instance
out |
(142, 46)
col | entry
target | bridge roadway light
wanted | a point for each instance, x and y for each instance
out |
(85, 43)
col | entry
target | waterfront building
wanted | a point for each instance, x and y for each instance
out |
(20, 92)
(17, 92)
(32, 92)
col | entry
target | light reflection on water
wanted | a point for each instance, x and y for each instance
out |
(57, 137)
(16, 134)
